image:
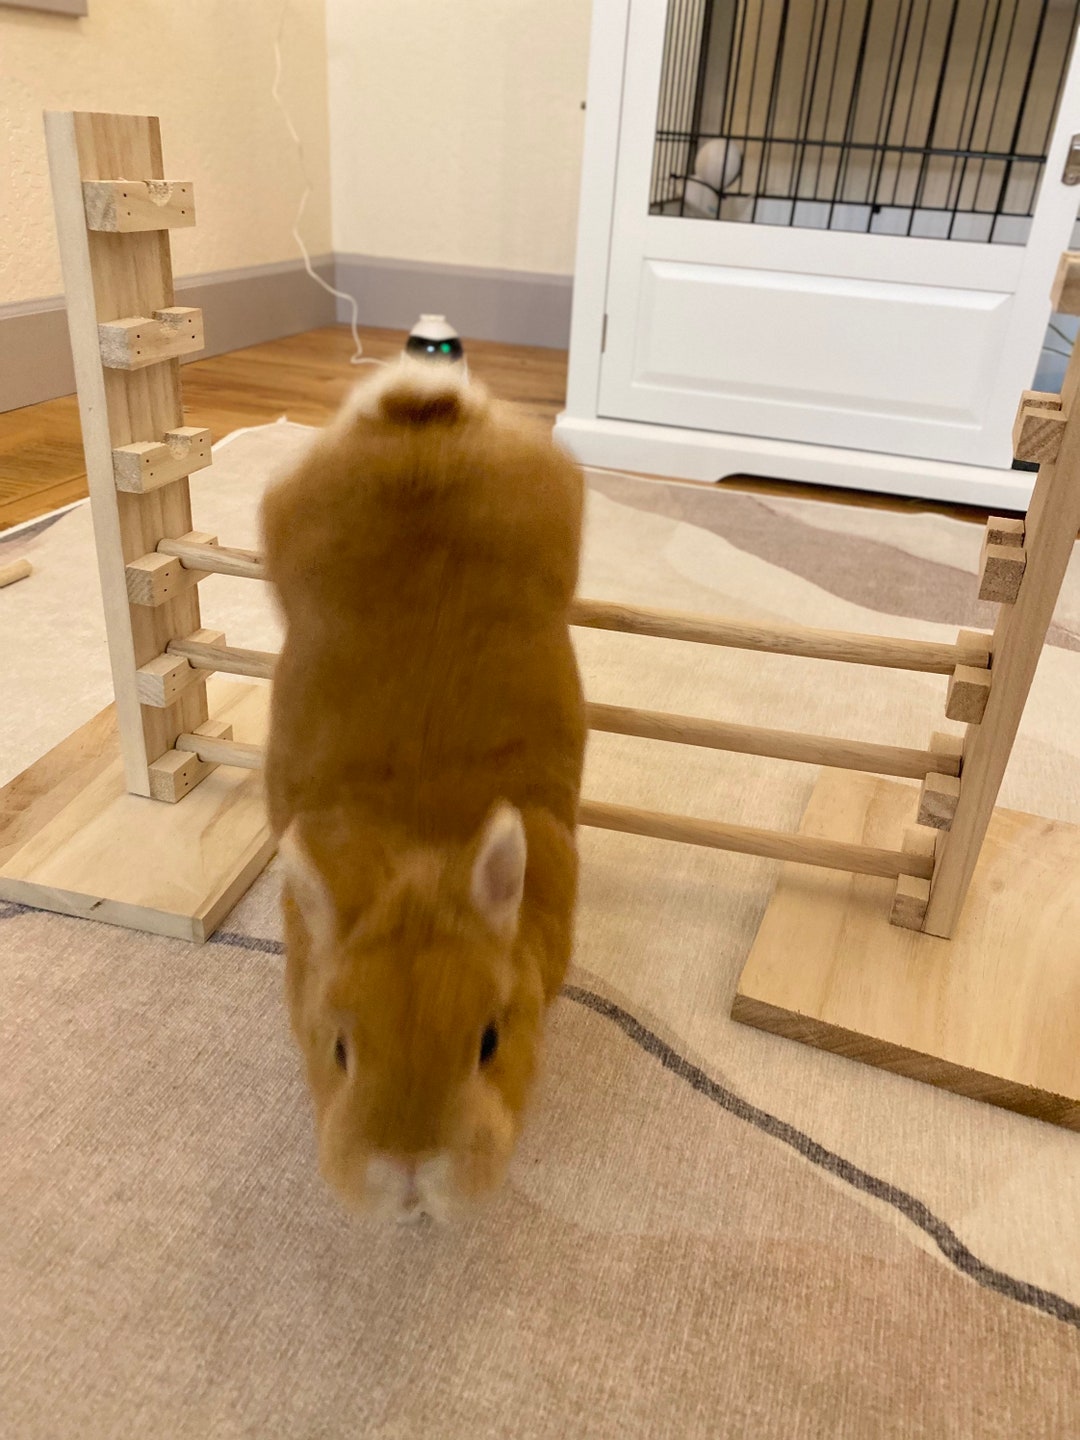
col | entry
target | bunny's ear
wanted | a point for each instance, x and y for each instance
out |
(310, 890)
(498, 872)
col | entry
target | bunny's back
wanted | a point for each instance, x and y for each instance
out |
(425, 554)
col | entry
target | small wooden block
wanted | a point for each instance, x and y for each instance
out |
(1001, 530)
(909, 903)
(162, 680)
(969, 690)
(1038, 427)
(951, 748)
(126, 206)
(1001, 568)
(138, 341)
(970, 638)
(14, 570)
(173, 774)
(148, 464)
(178, 771)
(938, 799)
(153, 578)
(1065, 291)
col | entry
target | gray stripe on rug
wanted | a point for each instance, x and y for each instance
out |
(914, 1210)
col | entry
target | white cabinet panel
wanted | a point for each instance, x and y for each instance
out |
(831, 360)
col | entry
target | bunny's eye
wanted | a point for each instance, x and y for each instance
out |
(489, 1043)
(341, 1054)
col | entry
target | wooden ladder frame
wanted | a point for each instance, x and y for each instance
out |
(114, 210)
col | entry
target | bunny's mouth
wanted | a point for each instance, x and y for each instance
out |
(410, 1192)
(414, 1215)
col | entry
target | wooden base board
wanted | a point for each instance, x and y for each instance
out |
(993, 1013)
(73, 840)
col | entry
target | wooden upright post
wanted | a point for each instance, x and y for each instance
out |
(118, 283)
(1050, 531)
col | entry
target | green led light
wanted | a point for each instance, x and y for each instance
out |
(445, 347)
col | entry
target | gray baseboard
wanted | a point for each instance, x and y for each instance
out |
(240, 307)
(514, 306)
(35, 356)
(265, 302)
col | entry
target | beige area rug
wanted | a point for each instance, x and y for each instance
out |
(708, 1231)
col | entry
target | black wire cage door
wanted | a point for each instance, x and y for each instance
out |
(926, 118)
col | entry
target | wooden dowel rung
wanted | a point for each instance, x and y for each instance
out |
(215, 559)
(655, 725)
(227, 659)
(925, 655)
(772, 844)
(929, 656)
(14, 570)
(778, 744)
(222, 752)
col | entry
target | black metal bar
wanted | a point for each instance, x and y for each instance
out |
(828, 98)
(935, 109)
(998, 93)
(853, 106)
(750, 111)
(774, 90)
(1022, 106)
(704, 43)
(933, 151)
(891, 88)
(914, 91)
(658, 189)
(733, 70)
(676, 16)
(975, 115)
(682, 74)
(963, 120)
(805, 118)
(892, 104)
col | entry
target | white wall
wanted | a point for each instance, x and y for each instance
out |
(456, 129)
(205, 67)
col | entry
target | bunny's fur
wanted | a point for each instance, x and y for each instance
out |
(425, 554)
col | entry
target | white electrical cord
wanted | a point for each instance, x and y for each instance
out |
(357, 357)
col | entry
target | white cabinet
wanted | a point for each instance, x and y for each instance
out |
(817, 239)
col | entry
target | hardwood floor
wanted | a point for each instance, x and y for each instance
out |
(304, 377)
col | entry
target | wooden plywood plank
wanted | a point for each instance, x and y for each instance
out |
(65, 170)
(993, 1013)
(1050, 530)
(107, 277)
(73, 840)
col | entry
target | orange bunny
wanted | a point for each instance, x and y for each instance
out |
(423, 770)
